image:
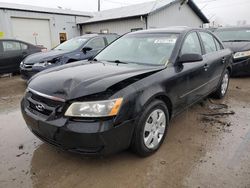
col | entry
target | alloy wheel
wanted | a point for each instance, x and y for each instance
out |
(154, 129)
(224, 84)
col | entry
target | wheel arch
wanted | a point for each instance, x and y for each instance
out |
(229, 68)
(163, 97)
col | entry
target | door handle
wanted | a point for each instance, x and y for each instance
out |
(24, 53)
(223, 60)
(206, 66)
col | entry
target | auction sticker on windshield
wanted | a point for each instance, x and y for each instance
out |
(168, 41)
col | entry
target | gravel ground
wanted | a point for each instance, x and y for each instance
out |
(200, 150)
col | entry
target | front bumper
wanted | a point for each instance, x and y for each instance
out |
(241, 67)
(89, 137)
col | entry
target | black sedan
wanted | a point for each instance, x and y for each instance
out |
(78, 48)
(12, 52)
(238, 40)
(127, 95)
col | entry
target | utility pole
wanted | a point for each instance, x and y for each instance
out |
(99, 5)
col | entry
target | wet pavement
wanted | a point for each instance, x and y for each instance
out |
(199, 150)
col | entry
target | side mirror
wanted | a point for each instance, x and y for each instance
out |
(86, 49)
(189, 58)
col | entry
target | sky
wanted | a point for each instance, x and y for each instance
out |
(225, 12)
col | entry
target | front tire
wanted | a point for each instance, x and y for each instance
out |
(151, 129)
(223, 87)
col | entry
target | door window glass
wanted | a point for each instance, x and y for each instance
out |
(11, 46)
(97, 43)
(111, 38)
(218, 45)
(191, 45)
(208, 41)
(24, 46)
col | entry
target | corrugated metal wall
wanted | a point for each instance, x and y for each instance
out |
(174, 16)
(58, 23)
(169, 16)
(117, 26)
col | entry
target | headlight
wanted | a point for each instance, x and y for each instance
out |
(238, 55)
(42, 64)
(94, 109)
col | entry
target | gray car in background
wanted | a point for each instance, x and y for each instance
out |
(78, 48)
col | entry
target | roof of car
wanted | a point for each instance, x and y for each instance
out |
(174, 29)
(16, 40)
(232, 28)
(95, 35)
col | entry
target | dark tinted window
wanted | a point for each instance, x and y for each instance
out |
(11, 46)
(97, 43)
(191, 45)
(233, 34)
(24, 46)
(208, 42)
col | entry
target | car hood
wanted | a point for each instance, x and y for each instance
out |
(237, 46)
(85, 78)
(43, 56)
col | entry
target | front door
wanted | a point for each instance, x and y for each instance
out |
(194, 74)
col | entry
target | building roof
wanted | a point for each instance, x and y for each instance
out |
(141, 10)
(12, 6)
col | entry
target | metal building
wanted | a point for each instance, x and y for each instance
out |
(155, 14)
(49, 27)
(38, 25)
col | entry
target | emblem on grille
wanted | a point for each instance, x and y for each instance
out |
(40, 107)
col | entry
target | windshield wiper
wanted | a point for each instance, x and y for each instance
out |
(236, 41)
(118, 62)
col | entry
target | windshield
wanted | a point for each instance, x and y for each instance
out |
(71, 44)
(234, 35)
(151, 49)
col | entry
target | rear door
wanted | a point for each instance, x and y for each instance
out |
(1, 58)
(11, 56)
(25, 50)
(192, 74)
(215, 57)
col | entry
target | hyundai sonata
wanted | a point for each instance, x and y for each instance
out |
(126, 96)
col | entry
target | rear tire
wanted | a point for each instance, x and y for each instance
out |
(223, 86)
(151, 129)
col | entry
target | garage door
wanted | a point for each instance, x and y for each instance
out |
(34, 31)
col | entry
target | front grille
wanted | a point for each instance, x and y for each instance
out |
(50, 107)
(44, 112)
(27, 66)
